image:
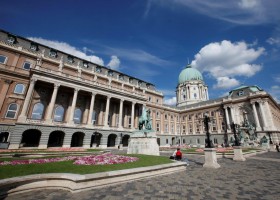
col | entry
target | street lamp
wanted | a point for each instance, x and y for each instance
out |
(236, 140)
(208, 142)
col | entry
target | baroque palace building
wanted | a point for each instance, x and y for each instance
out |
(52, 99)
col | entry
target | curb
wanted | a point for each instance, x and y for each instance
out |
(77, 183)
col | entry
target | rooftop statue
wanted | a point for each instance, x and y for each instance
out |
(145, 120)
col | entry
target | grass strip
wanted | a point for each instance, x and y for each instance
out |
(9, 171)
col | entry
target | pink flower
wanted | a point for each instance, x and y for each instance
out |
(102, 159)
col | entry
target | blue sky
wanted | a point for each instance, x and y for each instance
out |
(232, 42)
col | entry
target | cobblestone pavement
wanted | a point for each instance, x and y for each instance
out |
(252, 179)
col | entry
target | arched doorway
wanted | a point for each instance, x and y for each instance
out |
(30, 138)
(158, 141)
(77, 139)
(125, 140)
(56, 139)
(4, 137)
(111, 140)
(95, 139)
(173, 142)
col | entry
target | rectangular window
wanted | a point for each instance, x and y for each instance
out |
(166, 128)
(34, 47)
(3, 59)
(158, 127)
(26, 65)
(240, 93)
(53, 54)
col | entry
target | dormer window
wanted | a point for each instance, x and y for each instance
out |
(98, 69)
(53, 53)
(121, 77)
(85, 64)
(139, 83)
(70, 59)
(110, 73)
(240, 93)
(34, 47)
(11, 39)
(148, 86)
(130, 80)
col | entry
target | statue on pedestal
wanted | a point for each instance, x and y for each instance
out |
(145, 120)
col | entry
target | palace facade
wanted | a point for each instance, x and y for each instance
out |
(52, 99)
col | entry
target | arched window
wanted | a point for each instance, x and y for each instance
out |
(77, 115)
(12, 110)
(58, 114)
(38, 111)
(19, 89)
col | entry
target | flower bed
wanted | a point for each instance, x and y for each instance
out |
(103, 159)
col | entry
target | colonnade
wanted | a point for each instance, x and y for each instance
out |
(50, 108)
(263, 120)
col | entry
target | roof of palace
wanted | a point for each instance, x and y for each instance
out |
(189, 74)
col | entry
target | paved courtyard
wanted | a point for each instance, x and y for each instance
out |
(256, 178)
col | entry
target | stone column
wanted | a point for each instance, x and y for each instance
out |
(206, 93)
(23, 116)
(269, 118)
(193, 125)
(227, 118)
(107, 111)
(132, 115)
(73, 106)
(232, 114)
(256, 116)
(121, 113)
(162, 123)
(52, 103)
(89, 122)
(263, 115)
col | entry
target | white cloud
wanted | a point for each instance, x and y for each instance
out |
(136, 55)
(225, 59)
(171, 101)
(273, 41)
(64, 47)
(277, 78)
(249, 4)
(275, 92)
(114, 63)
(226, 82)
(167, 92)
(237, 12)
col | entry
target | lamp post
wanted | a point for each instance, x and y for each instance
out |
(208, 142)
(236, 140)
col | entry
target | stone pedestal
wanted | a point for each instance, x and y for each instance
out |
(238, 155)
(42, 146)
(211, 158)
(143, 143)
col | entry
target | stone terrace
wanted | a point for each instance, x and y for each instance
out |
(256, 178)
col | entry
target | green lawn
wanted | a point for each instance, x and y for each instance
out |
(9, 171)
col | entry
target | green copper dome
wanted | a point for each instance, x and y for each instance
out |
(189, 74)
